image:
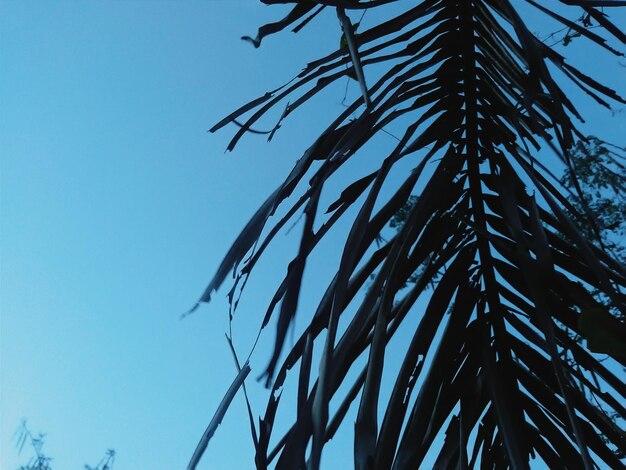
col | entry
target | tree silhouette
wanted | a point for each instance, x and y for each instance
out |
(519, 343)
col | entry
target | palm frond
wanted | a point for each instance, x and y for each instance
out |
(509, 375)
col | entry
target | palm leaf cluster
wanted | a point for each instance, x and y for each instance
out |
(499, 370)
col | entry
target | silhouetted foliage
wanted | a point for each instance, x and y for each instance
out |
(40, 461)
(601, 172)
(504, 365)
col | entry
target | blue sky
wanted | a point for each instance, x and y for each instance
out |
(117, 206)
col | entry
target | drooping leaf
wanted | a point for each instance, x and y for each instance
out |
(218, 416)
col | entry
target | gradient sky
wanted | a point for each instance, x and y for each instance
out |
(117, 206)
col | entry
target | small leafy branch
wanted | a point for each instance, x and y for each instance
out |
(40, 461)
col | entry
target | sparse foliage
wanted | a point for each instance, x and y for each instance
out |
(40, 461)
(600, 169)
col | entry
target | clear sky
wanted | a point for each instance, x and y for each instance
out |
(117, 207)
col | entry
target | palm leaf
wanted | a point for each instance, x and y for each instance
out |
(507, 379)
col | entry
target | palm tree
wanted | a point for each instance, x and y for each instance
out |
(519, 344)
